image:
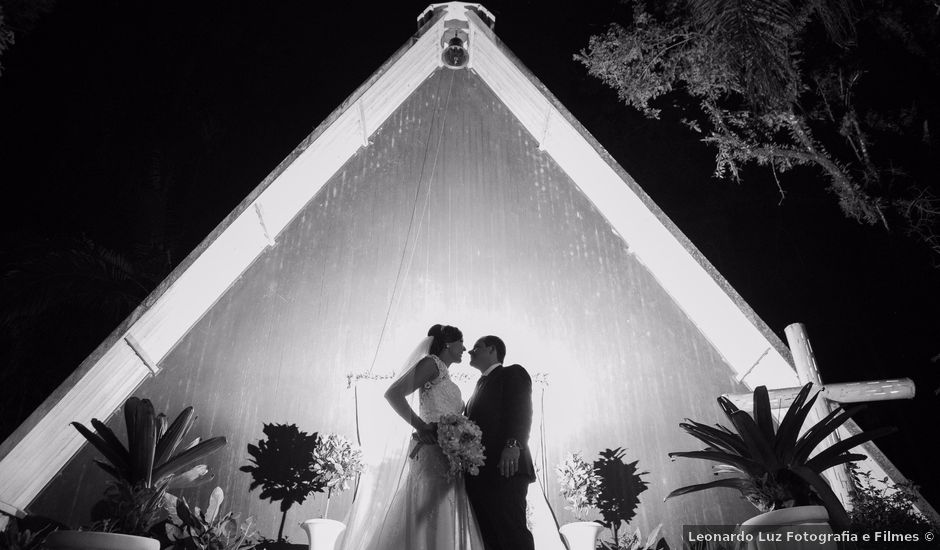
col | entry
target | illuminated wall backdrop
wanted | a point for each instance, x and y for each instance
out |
(451, 215)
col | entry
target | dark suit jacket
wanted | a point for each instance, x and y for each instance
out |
(502, 408)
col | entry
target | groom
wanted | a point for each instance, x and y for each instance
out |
(502, 406)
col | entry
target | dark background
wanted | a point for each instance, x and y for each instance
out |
(131, 129)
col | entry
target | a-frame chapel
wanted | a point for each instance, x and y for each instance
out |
(451, 187)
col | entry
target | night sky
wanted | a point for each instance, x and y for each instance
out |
(139, 126)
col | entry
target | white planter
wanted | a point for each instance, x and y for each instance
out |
(581, 535)
(800, 521)
(93, 540)
(323, 533)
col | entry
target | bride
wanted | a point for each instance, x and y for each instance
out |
(425, 511)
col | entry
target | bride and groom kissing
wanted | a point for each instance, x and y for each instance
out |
(472, 512)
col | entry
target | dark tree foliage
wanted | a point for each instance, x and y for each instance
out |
(44, 282)
(283, 466)
(6, 35)
(845, 88)
(19, 17)
(880, 506)
(620, 488)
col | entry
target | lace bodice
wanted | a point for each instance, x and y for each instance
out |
(439, 396)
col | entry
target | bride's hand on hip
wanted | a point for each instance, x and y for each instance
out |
(427, 435)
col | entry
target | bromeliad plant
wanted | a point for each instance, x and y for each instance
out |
(772, 468)
(147, 466)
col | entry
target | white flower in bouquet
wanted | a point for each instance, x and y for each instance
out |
(462, 442)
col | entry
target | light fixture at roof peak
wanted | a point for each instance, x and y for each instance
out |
(456, 53)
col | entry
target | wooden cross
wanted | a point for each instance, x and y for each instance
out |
(851, 392)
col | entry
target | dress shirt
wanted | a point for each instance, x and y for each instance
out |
(489, 370)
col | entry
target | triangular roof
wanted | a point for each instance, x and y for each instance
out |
(40, 447)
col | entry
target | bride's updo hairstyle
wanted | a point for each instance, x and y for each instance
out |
(443, 335)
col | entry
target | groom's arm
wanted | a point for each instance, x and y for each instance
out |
(517, 404)
(517, 417)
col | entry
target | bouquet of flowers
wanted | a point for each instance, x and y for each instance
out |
(461, 440)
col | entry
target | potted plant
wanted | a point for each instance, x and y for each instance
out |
(609, 485)
(618, 498)
(283, 466)
(580, 485)
(195, 529)
(771, 466)
(336, 462)
(143, 470)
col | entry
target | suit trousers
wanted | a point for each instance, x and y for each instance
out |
(499, 505)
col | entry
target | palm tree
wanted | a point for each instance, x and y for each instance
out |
(45, 286)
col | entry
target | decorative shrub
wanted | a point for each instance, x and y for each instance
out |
(879, 505)
(580, 484)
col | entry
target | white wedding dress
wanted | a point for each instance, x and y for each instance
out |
(425, 511)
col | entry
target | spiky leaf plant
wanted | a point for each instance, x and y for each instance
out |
(771, 466)
(147, 466)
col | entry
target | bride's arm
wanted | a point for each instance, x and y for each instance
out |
(421, 374)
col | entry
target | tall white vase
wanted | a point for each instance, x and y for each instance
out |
(581, 535)
(323, 533)
(801, 521)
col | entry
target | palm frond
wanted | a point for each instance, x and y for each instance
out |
(837, 17)
(79, 273)
(753, 37)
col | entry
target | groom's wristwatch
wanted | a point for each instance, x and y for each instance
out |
(512, 443)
